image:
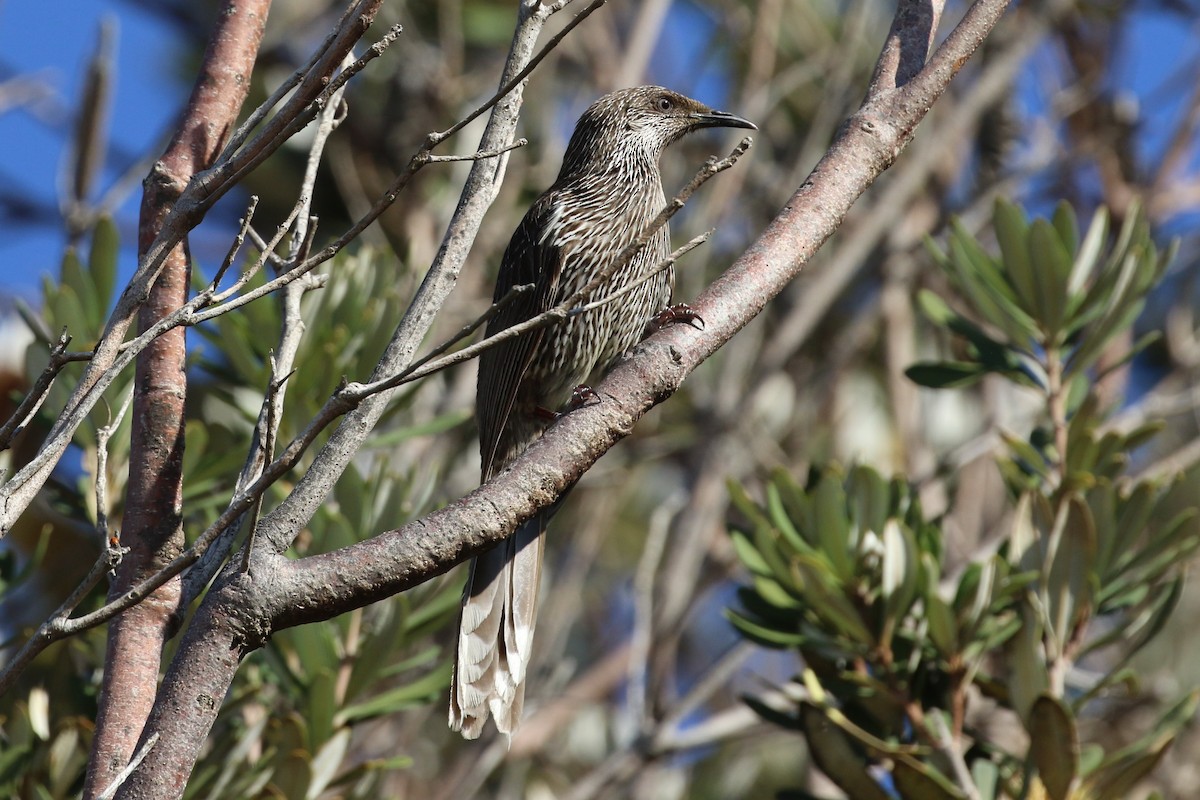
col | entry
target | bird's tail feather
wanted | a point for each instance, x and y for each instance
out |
(496, 633)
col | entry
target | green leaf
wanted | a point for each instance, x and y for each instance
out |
(1069, 581)
(943, 630)
(870, 499)
(748, 554)
(945, 374)
(1066, 225)
(1087, 258)
(781, 519)
(977, 275)
(424, 690)
(986, 777)
(102, 261)
(826, 598)
(919, 781)
(775, 594)
(901, 571)
(327, 762)
(439, 424)
(763, 635)
(1054, 745)
(1012, 234)
(832, 751)
(1026, 453)
(322, 703)
(833, 526)
(1027, 678)
(1051, 269)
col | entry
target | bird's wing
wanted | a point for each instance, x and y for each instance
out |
(533, 258)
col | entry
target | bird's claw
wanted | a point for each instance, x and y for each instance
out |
(671, 315)
(582, 395)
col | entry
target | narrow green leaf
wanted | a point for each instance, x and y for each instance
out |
(748, 554)
(919, 781)
(945, 374)
(1027, 679)
(763, 635)
(771, 714)
(826, 598)
(833, 526)
(870, 498)
(102, 260)
(1012, 234)
(1087, 258)
(833, 753)
(327, 762)
(1066, 225)
(1054, 745)
(1030, 456)
(1051, 265)
(986, 777)
(419, 692)
(775, 594)
(901, 571)
(322, 703)
(782, 521)
(943, 630)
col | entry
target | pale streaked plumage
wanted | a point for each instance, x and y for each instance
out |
(607, 191)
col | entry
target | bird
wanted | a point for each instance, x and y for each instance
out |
(607, 191)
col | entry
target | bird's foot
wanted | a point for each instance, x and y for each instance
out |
(582, 395)
(671, 315)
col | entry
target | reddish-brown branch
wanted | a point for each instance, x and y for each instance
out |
(153, 529)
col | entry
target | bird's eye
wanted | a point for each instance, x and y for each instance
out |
(664, 104)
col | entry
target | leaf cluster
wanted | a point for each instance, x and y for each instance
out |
(846, 571)
(288, 727)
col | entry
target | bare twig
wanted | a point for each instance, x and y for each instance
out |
(516, 80)
(474, 325)
(59, 358)
(111, 790)
(102, 437)
(236, 245)
(432, 159)
(949, 749)
(642, 638)
(665, 264)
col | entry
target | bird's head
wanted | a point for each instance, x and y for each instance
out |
(640, 123)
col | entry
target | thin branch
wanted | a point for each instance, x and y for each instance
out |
(468, 329)
(944, 741)
(665, 264)
(236, 245)
(642, 639)
(432, 159)
(110, 791)
(437, 138)
(59, 358)
(238, 165)
(102, 437)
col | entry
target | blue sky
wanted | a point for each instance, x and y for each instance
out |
(55, 49)
(149, 93)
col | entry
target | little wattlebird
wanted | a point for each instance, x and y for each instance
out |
(607, 192)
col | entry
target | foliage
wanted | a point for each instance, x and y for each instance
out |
(906, 659)
(287, 728)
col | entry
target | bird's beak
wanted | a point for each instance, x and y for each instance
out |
(721, 119)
